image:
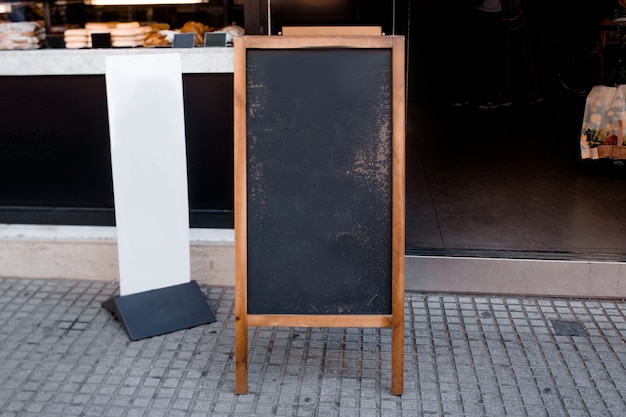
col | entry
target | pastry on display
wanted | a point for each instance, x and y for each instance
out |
(161, 38)
(134, 34)
(76, 38)
(231, 31)
(129, 34)
(100, 27)
(198, 29)
(164, 38)
(123, 34)
(159, 26)
(21, 35)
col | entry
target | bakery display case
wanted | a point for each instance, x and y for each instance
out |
(55, 163)
(54, 135)
(129, 23)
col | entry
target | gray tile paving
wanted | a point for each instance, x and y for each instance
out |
(62, 354)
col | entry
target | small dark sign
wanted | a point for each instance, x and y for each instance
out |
(101, 40)
(55, 41)
(216, 39)
(183, 40)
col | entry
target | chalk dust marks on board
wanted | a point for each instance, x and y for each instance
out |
(372, 160)
(256, 97)
(255, 90)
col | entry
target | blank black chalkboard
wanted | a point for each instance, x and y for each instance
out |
(319, 181)
(319, 185)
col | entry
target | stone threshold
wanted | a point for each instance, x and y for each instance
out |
(90, 253)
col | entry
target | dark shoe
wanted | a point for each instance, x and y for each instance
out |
(461, 103)
(534, 98)
(488, 105)
(503, 101)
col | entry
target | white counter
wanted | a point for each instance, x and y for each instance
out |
(91, 61)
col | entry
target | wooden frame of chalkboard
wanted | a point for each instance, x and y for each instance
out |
(319, 187)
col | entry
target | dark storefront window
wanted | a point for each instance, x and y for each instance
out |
(75, 13)
(391, 15)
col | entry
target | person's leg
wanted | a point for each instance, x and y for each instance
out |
(459, 57)
(491, 78)
(528, 54)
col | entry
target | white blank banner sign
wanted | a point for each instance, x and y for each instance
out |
(148, 156)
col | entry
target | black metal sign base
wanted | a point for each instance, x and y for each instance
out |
(161, 311)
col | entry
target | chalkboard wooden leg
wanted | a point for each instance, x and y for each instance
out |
(241, 355)
(397, 357)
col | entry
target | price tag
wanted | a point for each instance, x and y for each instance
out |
(183, 40)
(215, 39)
(101, 40)
(55, 41)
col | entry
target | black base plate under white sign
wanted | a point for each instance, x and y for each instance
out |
(161, 311)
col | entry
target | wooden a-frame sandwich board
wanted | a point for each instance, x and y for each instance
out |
(319, 187)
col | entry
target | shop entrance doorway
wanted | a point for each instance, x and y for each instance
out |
(499, 200)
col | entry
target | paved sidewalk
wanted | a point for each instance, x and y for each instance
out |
(62, 354)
